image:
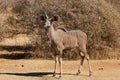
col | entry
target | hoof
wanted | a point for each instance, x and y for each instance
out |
(54, 75)
(90, 74)
(60, 77)
(78, 73)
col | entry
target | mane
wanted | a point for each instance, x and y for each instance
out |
(63, 29)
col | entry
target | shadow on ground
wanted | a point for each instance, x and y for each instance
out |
(33, 74)
(40, 74)
(15, 56)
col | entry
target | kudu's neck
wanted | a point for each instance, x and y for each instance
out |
(51, 32)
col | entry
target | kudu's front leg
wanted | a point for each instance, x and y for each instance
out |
(60, 65)
(56, 60)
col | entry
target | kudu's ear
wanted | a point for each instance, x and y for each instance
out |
(42, 18)
(55, 18)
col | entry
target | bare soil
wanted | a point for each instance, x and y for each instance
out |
(42, 70)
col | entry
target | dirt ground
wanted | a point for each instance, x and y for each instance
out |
(43, 69)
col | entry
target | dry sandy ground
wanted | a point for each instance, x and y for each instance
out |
(42, 70)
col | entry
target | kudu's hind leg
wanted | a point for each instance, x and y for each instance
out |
(90, 70)
(81, 62)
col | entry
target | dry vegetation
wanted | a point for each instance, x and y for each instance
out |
(100, 19)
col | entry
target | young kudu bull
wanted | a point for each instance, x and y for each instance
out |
(62, 40)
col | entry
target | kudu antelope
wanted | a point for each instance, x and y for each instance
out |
(61, 40)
